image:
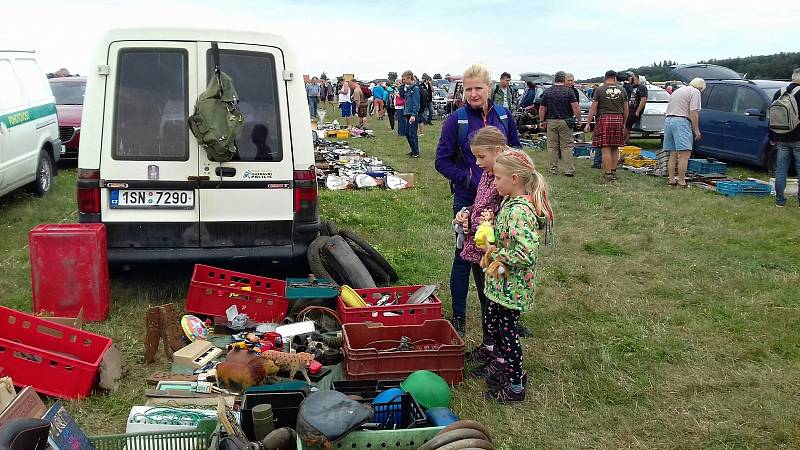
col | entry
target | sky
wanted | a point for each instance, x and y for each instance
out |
(371, 38)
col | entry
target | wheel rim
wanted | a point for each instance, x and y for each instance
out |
(44, 176)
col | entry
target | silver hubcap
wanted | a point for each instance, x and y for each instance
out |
(44, 176)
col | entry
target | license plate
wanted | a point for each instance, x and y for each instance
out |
(146, 199)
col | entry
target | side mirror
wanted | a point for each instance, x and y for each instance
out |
(753, 112)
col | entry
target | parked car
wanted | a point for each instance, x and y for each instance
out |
(143, 174)
(439, 102)
(69, 92)
(733, 120)
(442, 84)
(29, 143)
(583, 101)
(651, 123)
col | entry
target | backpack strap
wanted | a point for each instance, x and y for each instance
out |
(215, 55)
(502, 112)
(463, 129)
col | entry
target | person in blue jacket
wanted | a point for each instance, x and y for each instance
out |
(454, 160)
(411, 112)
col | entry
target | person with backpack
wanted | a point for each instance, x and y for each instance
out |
(391, 93)
(424, 100)
(456, 162)
(503, 93)
(784, 129)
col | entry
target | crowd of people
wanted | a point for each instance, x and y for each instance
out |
(501, 212)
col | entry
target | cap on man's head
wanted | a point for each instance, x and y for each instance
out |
(505, 75)
(611, 74)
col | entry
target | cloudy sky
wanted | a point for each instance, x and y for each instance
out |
(371, 38)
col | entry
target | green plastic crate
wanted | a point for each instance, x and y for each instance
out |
(410, 439)
(197, 439)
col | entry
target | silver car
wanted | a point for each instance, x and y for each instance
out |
(651, 123)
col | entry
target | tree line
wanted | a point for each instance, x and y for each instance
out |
(768, 67)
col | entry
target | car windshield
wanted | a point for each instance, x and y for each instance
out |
(657, 96)
(68, 93)
(770, 91)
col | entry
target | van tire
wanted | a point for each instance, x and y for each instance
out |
(379, 275)
(44, 175)
(346, 264)
(356, 240)
(314, 257)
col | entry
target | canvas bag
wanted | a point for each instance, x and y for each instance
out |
(326, 416)
(217, 121)
(783, 114)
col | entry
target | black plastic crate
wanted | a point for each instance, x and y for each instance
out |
(366, 389)
(285, 406)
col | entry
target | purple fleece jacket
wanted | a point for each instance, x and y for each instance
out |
(458, 165)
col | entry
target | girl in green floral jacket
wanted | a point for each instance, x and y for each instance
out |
(511, 267)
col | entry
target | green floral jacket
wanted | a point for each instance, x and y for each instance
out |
(517, 231)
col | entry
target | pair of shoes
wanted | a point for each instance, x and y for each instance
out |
(482, 355)
(505, 395)
(497, 380)
(570, 175)
(161, 325)
(460, 325)
(780, 205)
(490, 368)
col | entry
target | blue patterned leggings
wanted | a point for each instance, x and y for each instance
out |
(503, 322)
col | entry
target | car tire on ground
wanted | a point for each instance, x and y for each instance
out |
(44, 175)
(314, 256)
(345, 263)
(356, 240)
(379, 275)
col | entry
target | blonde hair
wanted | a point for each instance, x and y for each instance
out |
(698, 83)
(478, 71)
(489, 136)
(518, 163)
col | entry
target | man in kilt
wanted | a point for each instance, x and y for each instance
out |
(610, 104)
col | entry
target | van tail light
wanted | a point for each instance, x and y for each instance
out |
(89, 191)
(306, 201)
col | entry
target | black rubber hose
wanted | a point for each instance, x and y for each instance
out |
(345, 262)
(379, 275)
(353, 238)
(314, 257)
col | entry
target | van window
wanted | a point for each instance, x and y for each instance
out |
(12, 95)
(254, 78)
(151, 105)
(34, 83)
(747, 98)
(705, 94)
(721, 98)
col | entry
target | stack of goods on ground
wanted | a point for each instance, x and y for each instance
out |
(334, 130)
(256, 363)
(340, 167)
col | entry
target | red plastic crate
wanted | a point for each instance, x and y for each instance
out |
(364, 361)
(400, 314)
(213, 290)
(54, 359)
(69, 270)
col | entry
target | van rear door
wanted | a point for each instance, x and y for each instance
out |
(149, 164)
(249, 202)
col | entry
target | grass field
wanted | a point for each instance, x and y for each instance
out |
(665, 318)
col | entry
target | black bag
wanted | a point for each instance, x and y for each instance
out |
(326, 416)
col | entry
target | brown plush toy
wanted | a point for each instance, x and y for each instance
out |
(494, 269)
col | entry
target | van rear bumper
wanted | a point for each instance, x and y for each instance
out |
(153, 255)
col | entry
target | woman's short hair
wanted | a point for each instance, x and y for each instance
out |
(408, 74)
(698, 83)
(478, 71)
(796, 75)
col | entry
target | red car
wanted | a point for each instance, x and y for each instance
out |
(69, 92)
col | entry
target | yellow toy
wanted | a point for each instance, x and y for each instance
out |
(484, 235)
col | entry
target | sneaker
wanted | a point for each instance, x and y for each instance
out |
(606, 178)
(482, 354)
(505, 395)
(488, 369)
(613, 175)
(460, 325)
(780, 205)
(415, 156)
(553, 171)
(500, 379)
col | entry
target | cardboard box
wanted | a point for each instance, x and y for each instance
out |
(74, 322)
(409, 177)
(26, 404)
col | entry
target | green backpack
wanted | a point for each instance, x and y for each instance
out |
(217, 121)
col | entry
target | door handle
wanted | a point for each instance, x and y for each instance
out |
(225, 171)
(198, 178)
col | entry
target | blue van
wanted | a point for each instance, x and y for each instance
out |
(733, 122)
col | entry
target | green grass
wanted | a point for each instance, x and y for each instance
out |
(665, 318)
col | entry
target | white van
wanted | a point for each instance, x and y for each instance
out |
(29, 141)
(142, 173)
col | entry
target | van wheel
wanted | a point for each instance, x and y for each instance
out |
(44, 176)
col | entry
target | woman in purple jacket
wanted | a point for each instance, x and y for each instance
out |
(454, 160)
